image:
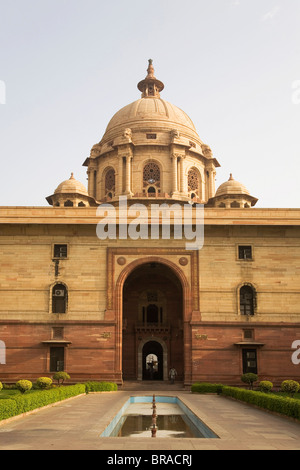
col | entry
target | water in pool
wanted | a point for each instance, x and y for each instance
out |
(136, 420)
(177, 426)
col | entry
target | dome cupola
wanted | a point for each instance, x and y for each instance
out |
(232, 194)
(151, 136)
(70, 193)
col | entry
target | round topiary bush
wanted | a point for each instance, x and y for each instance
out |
(24, 385)
(290, 387)
(265, 386)
(61, 377)
(249, 378)
(44, 382)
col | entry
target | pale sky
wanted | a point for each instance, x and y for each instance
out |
(67, 66)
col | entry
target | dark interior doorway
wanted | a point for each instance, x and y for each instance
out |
(152, 361)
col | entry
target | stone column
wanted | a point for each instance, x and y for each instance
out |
(174, 174)
(119, 188)
(128, 174)
(181, 174)
(91, 182)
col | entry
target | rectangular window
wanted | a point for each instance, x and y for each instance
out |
(151, 136)
(57, 359)
(248, 334)
(60, 251)
(57, 332)
(245, 252)
(249, 361)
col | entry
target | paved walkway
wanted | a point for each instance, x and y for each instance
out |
(76, 424)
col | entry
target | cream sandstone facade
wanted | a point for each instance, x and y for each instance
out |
(124, 297)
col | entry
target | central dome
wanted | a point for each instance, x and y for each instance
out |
(151, 149)
(151, 112)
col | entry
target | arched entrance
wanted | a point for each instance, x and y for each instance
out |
(152, 361)
(152, 335)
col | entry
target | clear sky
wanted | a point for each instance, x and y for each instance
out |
(66, 66)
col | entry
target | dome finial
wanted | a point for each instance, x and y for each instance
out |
(150, 69)
(230, 177)
(72, 176)
(150, 86)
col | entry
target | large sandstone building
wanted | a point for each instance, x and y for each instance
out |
(142, 300)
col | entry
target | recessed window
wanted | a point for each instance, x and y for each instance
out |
(60, 251)
(57, 359)
(247, 300)
(57, 332)
(249, 361)
(59, 298)
(245, 252)
(151, 136)
(248, 334)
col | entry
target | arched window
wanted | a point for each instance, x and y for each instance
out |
(194, 180)
(152, 313)
(151, 179)
(110, 183)
(247, 300)
(68, 203)
(59, 298)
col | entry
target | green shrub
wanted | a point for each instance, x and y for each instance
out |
(100, 386)
(249, 378)
(19, 404)
(290, 387)
(204, 387)
(61, 377)
(44, 382)
(265, 386)
(24, 385)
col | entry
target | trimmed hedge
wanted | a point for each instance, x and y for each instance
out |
(204, 387)
(19, 404)
(100, 386)
(283, 405)
(8, 408)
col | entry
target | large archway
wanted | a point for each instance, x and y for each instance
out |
(152, 323)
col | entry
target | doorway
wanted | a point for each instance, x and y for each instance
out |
(152, 361)
(152, 334)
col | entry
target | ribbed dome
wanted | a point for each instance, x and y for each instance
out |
(150, 112)
(71, 186)
(231, 187)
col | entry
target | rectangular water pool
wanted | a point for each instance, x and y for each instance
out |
(174, 420)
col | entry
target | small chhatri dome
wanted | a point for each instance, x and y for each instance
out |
(71, 186)
(231, 187)
(70, 193)
(232, 194)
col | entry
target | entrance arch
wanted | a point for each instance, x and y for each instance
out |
(152, 361)
(153, 322)
(153, 346)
